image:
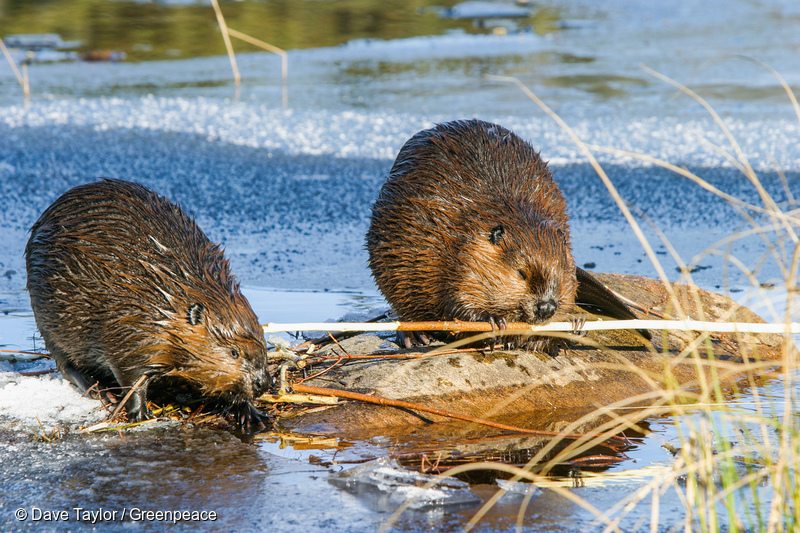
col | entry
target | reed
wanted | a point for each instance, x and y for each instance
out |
(227, 33)
(22, 77)
(223, 28)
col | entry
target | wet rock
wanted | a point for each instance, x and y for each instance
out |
(536, 388)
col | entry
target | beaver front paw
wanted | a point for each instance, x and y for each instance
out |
(577, 323)
(498, 322)
(248, 419)
(136, 407)
(409, 339)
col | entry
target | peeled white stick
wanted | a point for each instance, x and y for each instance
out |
(596, 325)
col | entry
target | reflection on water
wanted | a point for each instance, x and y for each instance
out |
(156, 30)
(582, 57)
(602, 85)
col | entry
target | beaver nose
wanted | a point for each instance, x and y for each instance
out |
(262, 382)
(544, 309)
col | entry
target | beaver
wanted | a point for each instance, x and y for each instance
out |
(470, 225)
(124, 284)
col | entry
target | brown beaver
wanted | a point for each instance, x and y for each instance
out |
(124, 284)
(471, 226)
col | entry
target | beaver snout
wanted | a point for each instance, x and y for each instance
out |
(262, 382)
(541, 310)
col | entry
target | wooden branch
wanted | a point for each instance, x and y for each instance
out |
(379, 400)
(518, 328)
(299, 398)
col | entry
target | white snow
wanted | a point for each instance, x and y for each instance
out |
(44, 402)
(380, 134)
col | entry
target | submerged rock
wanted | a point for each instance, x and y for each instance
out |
(392, 485)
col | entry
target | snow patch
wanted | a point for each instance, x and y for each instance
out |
(45, 401)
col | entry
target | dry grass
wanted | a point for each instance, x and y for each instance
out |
(223, 28)
(227, 33)
(22, 77)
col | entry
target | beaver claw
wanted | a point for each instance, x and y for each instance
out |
(498, 322)
(248, 419)
(136, 406)
(409, 339)
(577, 326)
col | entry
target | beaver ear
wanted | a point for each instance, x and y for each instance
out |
(496, 234)
(196, 312)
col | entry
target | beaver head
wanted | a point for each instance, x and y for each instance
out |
(211, 338)
(514, 272)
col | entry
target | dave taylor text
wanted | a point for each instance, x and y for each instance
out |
(132, 514)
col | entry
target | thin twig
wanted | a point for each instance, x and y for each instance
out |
(334, 365)
(320, 342)
(128, 395)
(23, 352)
(325, 370)
(11, 62)
(26, 82)
(378, 400)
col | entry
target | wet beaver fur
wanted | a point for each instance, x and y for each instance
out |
(124, 284)
(471, 226)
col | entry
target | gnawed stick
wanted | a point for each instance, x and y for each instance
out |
(127, 396)
(23, 352)
(110, 426)
(517, 328)
(379, 400)
(299, 398)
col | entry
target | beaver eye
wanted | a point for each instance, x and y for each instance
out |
(522, 274)
(496, 234)
(235, 353)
